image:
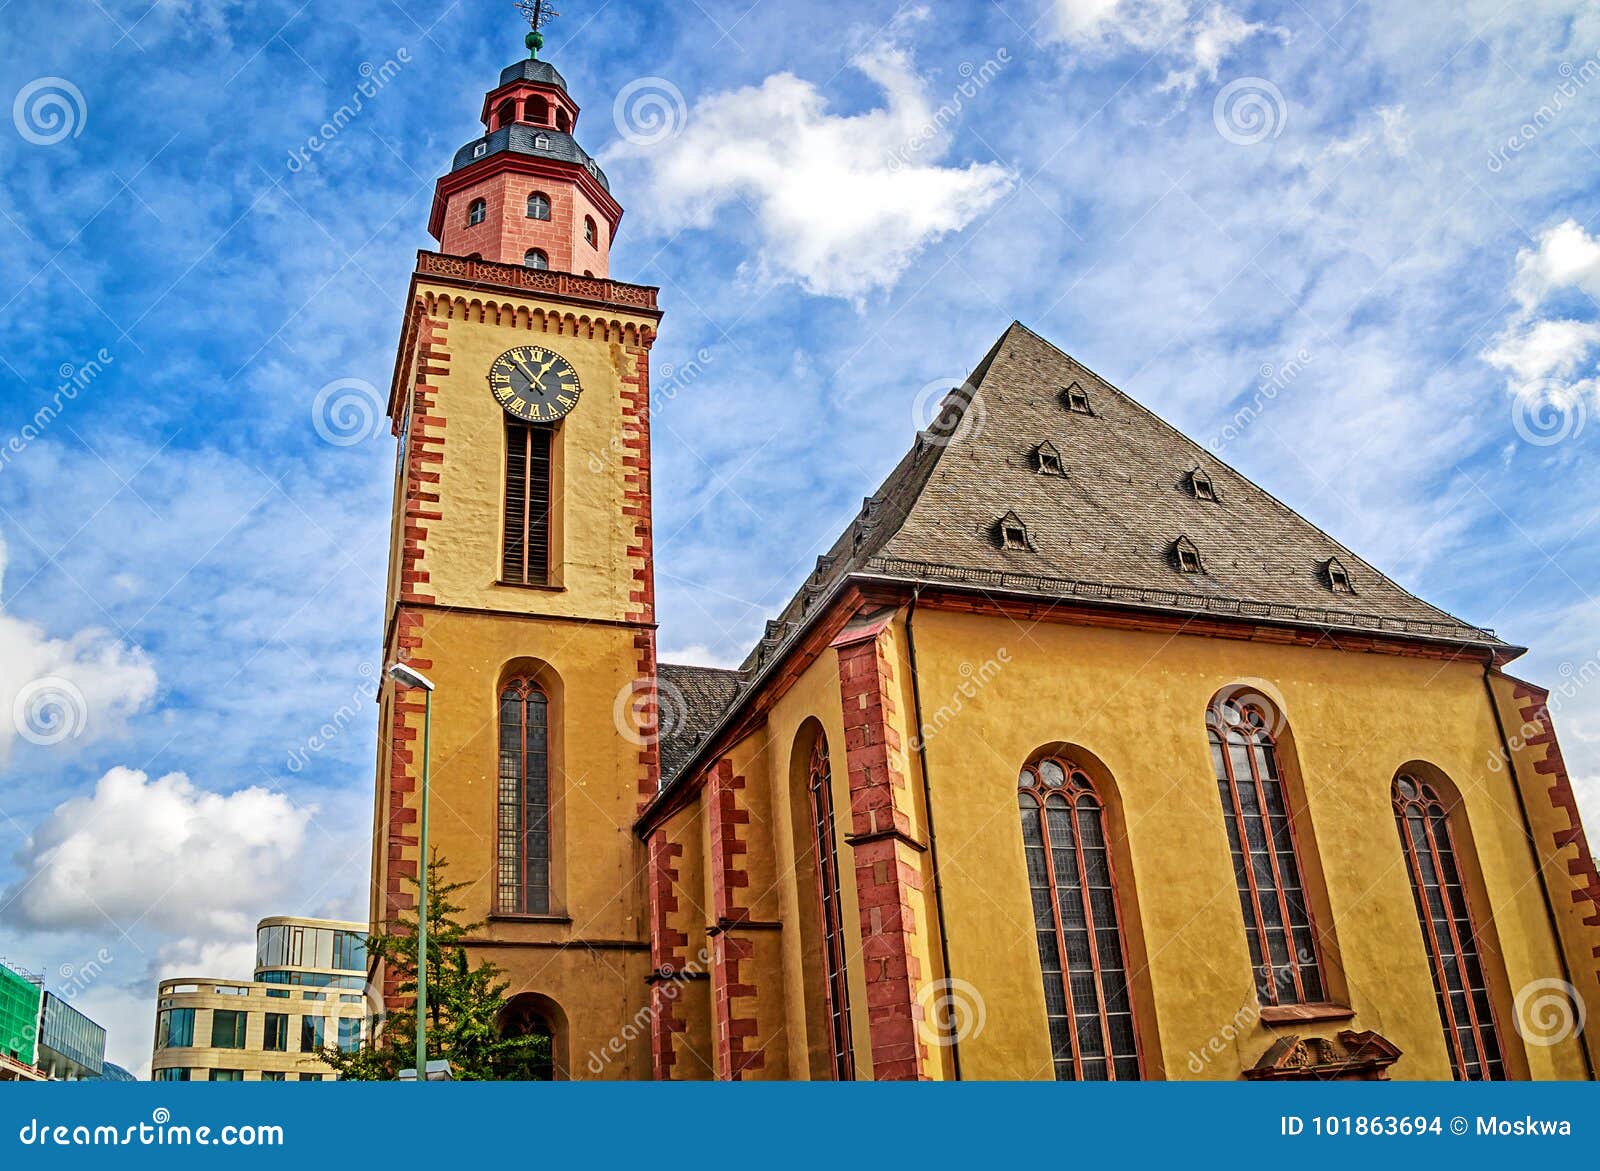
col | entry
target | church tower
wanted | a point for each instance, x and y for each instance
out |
(521, 579)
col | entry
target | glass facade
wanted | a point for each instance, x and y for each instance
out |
(349, 1034)
(312, 979)
(67, 1031)
(175, 1028)
(227, 1029)
(275, 1033)
(288, 945)
(20, 999)
(313, 1030)
(227, 1075)
(170, 1075)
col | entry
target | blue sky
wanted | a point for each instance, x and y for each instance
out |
(1355, 250)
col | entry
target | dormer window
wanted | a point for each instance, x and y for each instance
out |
(536, 258)
(1047, 460)
(541, 142)
(477, 211)
(1076, 400)
(1186, 557)
(1338, 577)
(538, 206)
(1011, 533)
(1202, 487)
(480, 149)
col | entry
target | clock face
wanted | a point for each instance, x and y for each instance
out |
(534, 384)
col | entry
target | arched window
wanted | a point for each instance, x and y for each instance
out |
(563, 121)
(476, 211)
(524, 1016)
(819, 782)
(1077, 925)
(524, 827)
(505, 113)
(590, 232)
(538, 206)
(1459, 983)
(538, 110)
(1266, 864)
(536, 258)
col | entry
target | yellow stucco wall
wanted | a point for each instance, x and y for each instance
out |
(1137, 701)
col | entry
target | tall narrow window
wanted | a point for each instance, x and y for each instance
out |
(525, 552)
(1459, 983)
(1266, 865)
(524, 828)
(819, 781)
(477, 211)
(591, 233)
(1076, 923)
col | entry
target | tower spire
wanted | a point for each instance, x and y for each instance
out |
(538, 14)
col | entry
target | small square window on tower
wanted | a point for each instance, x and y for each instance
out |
(1011, 533)
(1202, 487)
(1186, 557)
(1047, 460)
(1337, 576)
(1076, 400)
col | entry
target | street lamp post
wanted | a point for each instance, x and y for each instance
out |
(406, 677)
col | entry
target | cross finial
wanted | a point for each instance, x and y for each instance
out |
(538, 13)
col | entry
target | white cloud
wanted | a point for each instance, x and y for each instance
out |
(55, 690)
(1567, 257)
(843, 204)
(162, 853)
(1168, 29)
(1545, 357)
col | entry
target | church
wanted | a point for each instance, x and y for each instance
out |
(1078, 755)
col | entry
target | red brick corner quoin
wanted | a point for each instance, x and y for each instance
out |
(887, 878)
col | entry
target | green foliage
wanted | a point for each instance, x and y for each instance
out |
(465, 1003)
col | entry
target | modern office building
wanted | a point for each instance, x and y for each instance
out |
(71, 1046)
(307, 994)
(21, 1000)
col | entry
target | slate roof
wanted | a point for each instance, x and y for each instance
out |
(524, 139)
(1104, 530)
(690, 701)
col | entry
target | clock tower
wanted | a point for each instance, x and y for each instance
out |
(521, 580)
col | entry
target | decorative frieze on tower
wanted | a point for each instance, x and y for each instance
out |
(521, 577)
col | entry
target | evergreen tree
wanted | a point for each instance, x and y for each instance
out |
(465, 1004)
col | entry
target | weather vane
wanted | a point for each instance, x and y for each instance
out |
(538, 14)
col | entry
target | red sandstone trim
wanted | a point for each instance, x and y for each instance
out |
(1535, 712)
(668, 957)
(733, 987)
(420, 505)
(885, 883)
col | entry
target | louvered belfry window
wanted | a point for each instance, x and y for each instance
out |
(1459, 983)
(1079, 932)
(1266, 863)
(525, 556)
(820, 784)
(524, 825)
